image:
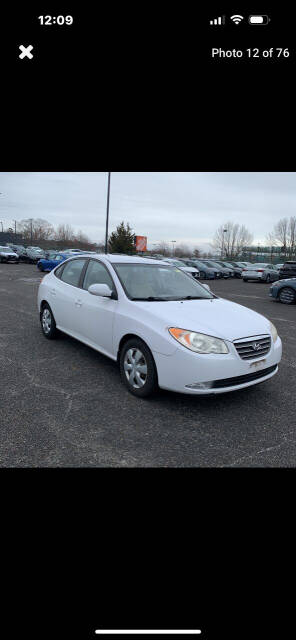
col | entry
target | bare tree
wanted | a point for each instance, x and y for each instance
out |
(284, 234)
(182, 250)
(162, 248)
(35, 229)
(230, 239)
(65, 233)
(196, 253)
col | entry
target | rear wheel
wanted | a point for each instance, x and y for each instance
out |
(137, 368)
(48, 324)
(287, 295)
(245, 279)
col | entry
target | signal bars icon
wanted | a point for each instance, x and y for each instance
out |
(218, 21)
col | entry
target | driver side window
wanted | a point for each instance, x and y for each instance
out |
(97, 273)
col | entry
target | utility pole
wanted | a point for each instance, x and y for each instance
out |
(223, 243)
(14, 228)
(31, 231)
(107, 212)
(173, 243)
(2, 225)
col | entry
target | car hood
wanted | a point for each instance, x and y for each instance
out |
(189, 269)
(215, 317)
(11, 253)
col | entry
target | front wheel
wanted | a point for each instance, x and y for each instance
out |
(245, 279)
(287, 295)
(48, 324)
(137, 368)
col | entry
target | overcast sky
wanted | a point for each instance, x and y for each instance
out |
(164, 206)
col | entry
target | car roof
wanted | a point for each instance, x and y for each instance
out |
(114, 258)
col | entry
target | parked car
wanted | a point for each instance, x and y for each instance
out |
(223, 273)
(262, 272)
(192, 271)
(33, 255)
(240, 265)
(17, 248)
(288, 270)
(205, 273)
(163, 328)
(49, 253)
(235, 271)
(47, 264)
(7, 255)
(279, 265)
(73, 251)
(284, 291)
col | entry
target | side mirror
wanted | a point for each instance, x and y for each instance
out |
(101, 290)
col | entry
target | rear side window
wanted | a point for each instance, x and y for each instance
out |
(97, 273)
(72, 272)
(58, 272)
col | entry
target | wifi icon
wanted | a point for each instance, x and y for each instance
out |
(236, 19)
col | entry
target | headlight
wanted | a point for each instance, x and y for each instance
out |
(198, 342)
(274, 332)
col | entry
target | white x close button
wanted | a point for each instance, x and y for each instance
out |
(26, 52)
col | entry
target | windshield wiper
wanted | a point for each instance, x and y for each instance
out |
(151, 299)
(193, 298)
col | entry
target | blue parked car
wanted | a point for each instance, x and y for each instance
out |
(284, 291)
(51, 263)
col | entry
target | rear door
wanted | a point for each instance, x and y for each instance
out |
(64, 291)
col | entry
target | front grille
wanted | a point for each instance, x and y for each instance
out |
(251, 349)
(232, 382)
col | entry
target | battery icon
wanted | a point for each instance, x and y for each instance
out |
(258, 19)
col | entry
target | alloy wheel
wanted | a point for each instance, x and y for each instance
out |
(135, 367)
(46, 321)
(287, 295)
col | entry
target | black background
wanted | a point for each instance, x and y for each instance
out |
(133, 88)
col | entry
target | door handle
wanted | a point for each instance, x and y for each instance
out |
(78, 303)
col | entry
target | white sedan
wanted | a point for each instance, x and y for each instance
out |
(162, 327)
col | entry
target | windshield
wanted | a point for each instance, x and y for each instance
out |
(177, 263)
(158, 283)
(214, 264)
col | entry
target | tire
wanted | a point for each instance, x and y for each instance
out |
(287, 295)
(245, 280)
(267, 279)
(48, 325)
(202, 275)
(146, 378)
(40, 267)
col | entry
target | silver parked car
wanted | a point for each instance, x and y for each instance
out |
(7, 255)
(262, 272)
(192, 271)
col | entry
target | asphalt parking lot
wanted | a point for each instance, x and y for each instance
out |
(62, 404)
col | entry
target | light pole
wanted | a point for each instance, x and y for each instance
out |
(173, 243)
(2, 195)
(107, 212)
(223, 242)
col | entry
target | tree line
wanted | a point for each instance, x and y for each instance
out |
(230, 240)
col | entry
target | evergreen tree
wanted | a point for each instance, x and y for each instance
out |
(122, 240)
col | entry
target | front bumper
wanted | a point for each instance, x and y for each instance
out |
(180, 371)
